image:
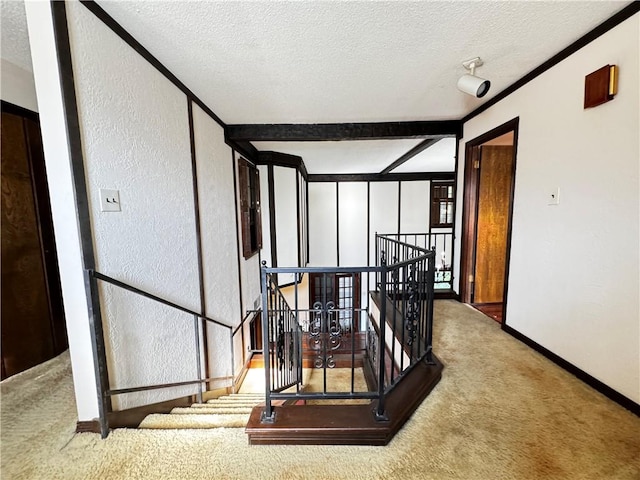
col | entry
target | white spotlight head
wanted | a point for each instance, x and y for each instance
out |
(469, 83)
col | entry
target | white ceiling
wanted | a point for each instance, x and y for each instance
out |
(439, 157)
(14, 40)
(357, 156)
(341, 61)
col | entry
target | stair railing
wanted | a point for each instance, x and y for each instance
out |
(105, 391)
(404, 279)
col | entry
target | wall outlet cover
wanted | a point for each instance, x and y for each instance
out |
(553, 197)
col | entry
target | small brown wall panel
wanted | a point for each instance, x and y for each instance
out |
(493, 220)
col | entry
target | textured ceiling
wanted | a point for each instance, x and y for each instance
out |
(341, 61)
(14, 39)
(357, 156)
(346, 61)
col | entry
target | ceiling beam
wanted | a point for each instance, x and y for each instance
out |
(314, 132)
(421, 147)
(283, 160)
(377, 177)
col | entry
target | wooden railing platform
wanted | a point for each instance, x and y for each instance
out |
(346, 424)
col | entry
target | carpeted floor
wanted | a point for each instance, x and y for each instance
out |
(501, 411)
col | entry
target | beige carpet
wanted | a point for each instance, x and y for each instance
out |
(501, 411)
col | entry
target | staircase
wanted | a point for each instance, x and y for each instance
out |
(228, 411)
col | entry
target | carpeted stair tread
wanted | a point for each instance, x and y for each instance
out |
(209, 410)
(230, 404)
(192, 421)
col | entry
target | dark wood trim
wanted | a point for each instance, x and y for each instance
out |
(89, 426)
(306, 223)
(346, 424)
(197, 219)
(63, 49)
(469, 207)
(8, 107)
(604, 27)
(377, 177)
(343, 131)
(282, 160)
(337, 224)
(421, 147)
(445, 295)
(272, 218)
(246, 149)
(109, 21)
(579, 373)
(455, 211)
(399, 205)
(512, 194)
(368, 240)
(238, 245)
(298, 223)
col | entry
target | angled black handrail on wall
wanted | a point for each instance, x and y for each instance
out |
(107, 392)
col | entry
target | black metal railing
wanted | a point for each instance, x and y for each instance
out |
(106, 391)
(335, 332)
(442, 243)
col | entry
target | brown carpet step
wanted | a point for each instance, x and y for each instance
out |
(193, 421)
(211, 410)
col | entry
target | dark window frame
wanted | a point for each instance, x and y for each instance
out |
(250, 212)
(437, 199)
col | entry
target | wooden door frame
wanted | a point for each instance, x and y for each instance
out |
(469, 209)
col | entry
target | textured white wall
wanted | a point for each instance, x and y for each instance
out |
(574, 272)
(352, 221)
(17, 86)
(63, 205)
(214, 160)
(383, 211)
(322, 225)
(136, 139)
(265, 252)
(284, 180)
(414, 207)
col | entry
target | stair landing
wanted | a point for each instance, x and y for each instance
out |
(346, 424)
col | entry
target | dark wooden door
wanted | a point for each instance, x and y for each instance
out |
(33, 329)
(494, 194)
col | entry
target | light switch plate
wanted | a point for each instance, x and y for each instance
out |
(109, 200)
(553, 197)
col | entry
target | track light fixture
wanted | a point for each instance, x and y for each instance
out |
(469, 83)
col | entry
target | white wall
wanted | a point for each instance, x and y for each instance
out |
(265, 252)
(284, 180)
(17, 86)
(216, 200)
(414, 207)
(574, 271)
(352, 222)
(322, 225)
(140, 146)
(63, 205)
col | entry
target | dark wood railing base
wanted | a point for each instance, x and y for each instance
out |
(346, 424)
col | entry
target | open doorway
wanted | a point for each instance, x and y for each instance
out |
(487, 213)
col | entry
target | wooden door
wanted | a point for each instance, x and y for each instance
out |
(33, 328)
(494, 194)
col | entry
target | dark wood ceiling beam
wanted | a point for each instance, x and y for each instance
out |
(378, 177)
(421, 147)
(289, 132)
(283, 160)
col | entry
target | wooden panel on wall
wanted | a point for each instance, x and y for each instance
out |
(32, 329)
(493, 220)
